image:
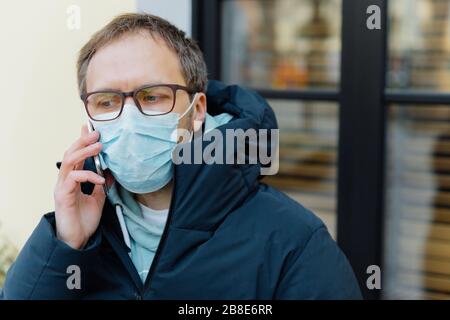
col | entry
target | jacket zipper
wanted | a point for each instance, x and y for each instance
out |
(148, 280)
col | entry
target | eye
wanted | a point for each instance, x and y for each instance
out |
(150, 98)
(105, 103)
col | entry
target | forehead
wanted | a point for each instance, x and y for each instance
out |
(132, 60)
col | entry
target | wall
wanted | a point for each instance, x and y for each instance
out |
(41, 111)
(177, 12)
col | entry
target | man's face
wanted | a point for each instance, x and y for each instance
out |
(137, 59)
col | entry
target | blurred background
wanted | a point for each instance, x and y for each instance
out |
(364, 116)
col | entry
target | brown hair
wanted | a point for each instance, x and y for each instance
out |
(193, 65)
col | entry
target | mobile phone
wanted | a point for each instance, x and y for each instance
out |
(97, 162)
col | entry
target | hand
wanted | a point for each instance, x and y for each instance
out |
(77, 214)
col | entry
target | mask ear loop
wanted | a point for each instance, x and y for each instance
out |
(190, 107)
(175, 134)
(195, 121)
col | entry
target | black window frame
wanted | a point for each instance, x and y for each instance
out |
(363, 99)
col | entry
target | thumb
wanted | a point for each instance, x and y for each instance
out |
(99, 195)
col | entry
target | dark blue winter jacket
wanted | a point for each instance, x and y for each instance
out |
(228, 236)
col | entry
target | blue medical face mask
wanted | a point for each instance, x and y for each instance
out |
(138, 148)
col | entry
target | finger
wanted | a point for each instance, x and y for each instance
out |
(75, 160)
(86, 138)
(79, 156)
(74, 178)
(84, 130)
(79, 166)
(82, 142)
(85, 153)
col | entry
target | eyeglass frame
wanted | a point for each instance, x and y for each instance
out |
(124, 95)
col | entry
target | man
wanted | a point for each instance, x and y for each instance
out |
(166, 230)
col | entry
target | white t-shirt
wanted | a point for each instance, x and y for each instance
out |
(155, 217)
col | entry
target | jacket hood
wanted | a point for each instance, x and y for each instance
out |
(204, 193)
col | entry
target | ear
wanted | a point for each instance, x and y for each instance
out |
(199, 111)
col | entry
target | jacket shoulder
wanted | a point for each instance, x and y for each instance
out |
(280, 212)
(315, 267)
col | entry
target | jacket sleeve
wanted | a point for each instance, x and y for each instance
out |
(319, 270)
(41, 269)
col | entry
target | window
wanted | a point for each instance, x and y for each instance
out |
(419, 45)
(287, 44)
(417, 223)
(417, 246)
(281, 43)
(364, 118)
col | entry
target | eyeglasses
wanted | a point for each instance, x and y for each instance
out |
(153, 100)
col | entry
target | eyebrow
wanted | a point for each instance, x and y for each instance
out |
(140, 86)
